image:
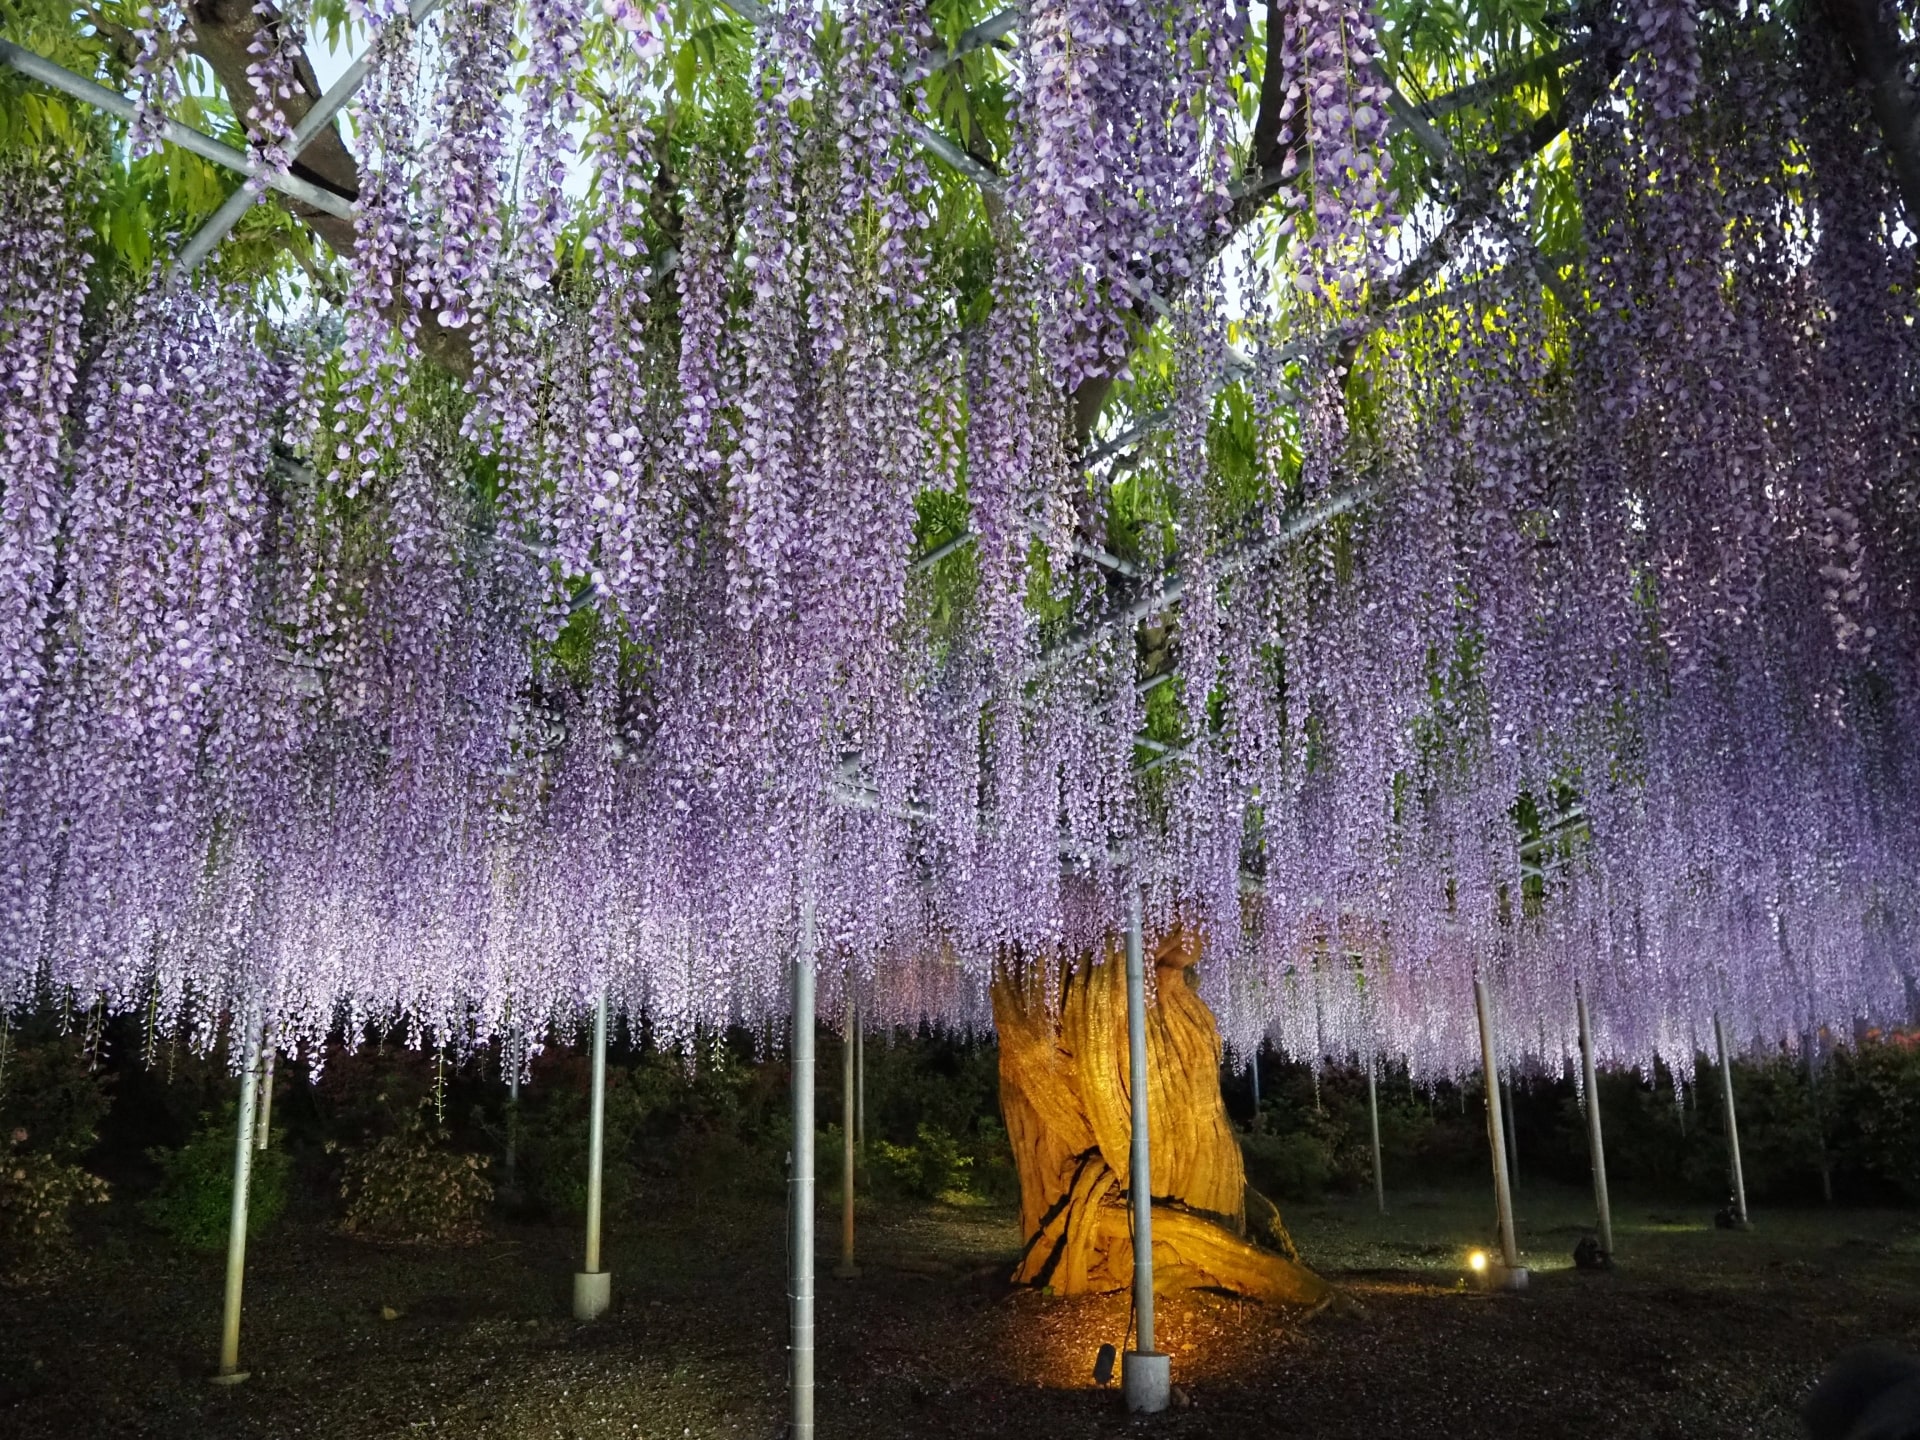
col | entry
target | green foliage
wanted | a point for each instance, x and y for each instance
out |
(949, 1083)
(374, 1091)
(703, 1123)
(412, 1188)
(37, 1196)
(194, 1200)
(1870, 1101)
(51, 1090)
(931, 1168)
(933, 1119)
(554, 1114)
(1294, 1165)
(991, 1175)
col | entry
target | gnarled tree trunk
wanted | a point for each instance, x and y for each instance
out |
(1064, 1092)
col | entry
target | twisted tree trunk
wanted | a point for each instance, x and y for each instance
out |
(1064, 1093)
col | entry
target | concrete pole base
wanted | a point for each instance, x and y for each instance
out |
(1146, 1380)
(1499, 1277)
(229, 1377)
(592, 1294)
(846, 1270)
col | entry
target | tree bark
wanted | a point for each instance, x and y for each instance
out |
(222, 32)
(1064, 1093)
(1873, 42)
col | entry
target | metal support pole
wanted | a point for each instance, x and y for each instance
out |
(230, 1372)
(55, 77)
(1145, 1374)
(1496, 1130)
(1819, 1126)
(859, 1083)
(1733, 1126)
(1590, 1085)
(846, 1269)
(509, 1170)
(1373, 1121)
(1253, 1068)
(800, 1188)
(593, 1287)
(263, 1130)
(207, 239)
(1513, 1133)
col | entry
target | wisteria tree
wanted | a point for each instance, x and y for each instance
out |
(1423, 495)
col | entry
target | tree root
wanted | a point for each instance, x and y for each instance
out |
(1064, 1073)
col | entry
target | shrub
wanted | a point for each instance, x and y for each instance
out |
(412, 1189)
(1293, 1166)
(194, 1200)
(990, 1171)
(941, 1081)
(931, 1167)
(1870, 1099)
(37, 1196)
(52, 1091)
(554, 1134)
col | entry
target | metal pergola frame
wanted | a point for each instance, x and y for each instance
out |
(1166, 590)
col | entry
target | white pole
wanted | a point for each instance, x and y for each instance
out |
(593, 1287)
(1373, 1120)
(263, 1131)
(1496, 1131)
(800, 1186)
(1254, 1069)
(510, 1169)
(1590, 1083)
(1819, 1128)
(230, 1372)
(1145, 1374)
(846, 1269)
(1733, 1127)
(1513, 1131)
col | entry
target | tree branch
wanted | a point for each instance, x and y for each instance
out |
(223, 31)
(1873, 42)
(1475, 194)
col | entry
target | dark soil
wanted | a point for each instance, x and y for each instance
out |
(1700, 1333)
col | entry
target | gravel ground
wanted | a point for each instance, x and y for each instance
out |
(1700, 1333)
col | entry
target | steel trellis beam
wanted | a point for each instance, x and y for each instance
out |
(57, 77)
(209, 236)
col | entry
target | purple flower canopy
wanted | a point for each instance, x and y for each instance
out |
(1599, 670)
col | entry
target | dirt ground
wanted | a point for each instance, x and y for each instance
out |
(1700, 1333)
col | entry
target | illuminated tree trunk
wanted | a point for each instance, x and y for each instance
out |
(1063, 1090)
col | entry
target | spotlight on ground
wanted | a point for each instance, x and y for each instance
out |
(1103, 1365)
(1477, 1262)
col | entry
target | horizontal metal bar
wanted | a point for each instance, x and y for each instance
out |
(1167, 759)
(994, 27)
(1572, 823)
(207, 239)
(55, 77)
(1303, 522)
(982, 174)
(940, 552)
(1105, 559)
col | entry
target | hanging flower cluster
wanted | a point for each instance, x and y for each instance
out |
(608, 670)
(1604, 693)
(1121, 179)
(160, 33)
(1333, 131)
(274, 78)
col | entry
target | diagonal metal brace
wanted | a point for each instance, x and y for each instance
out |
(57, 77)
(207, 239)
